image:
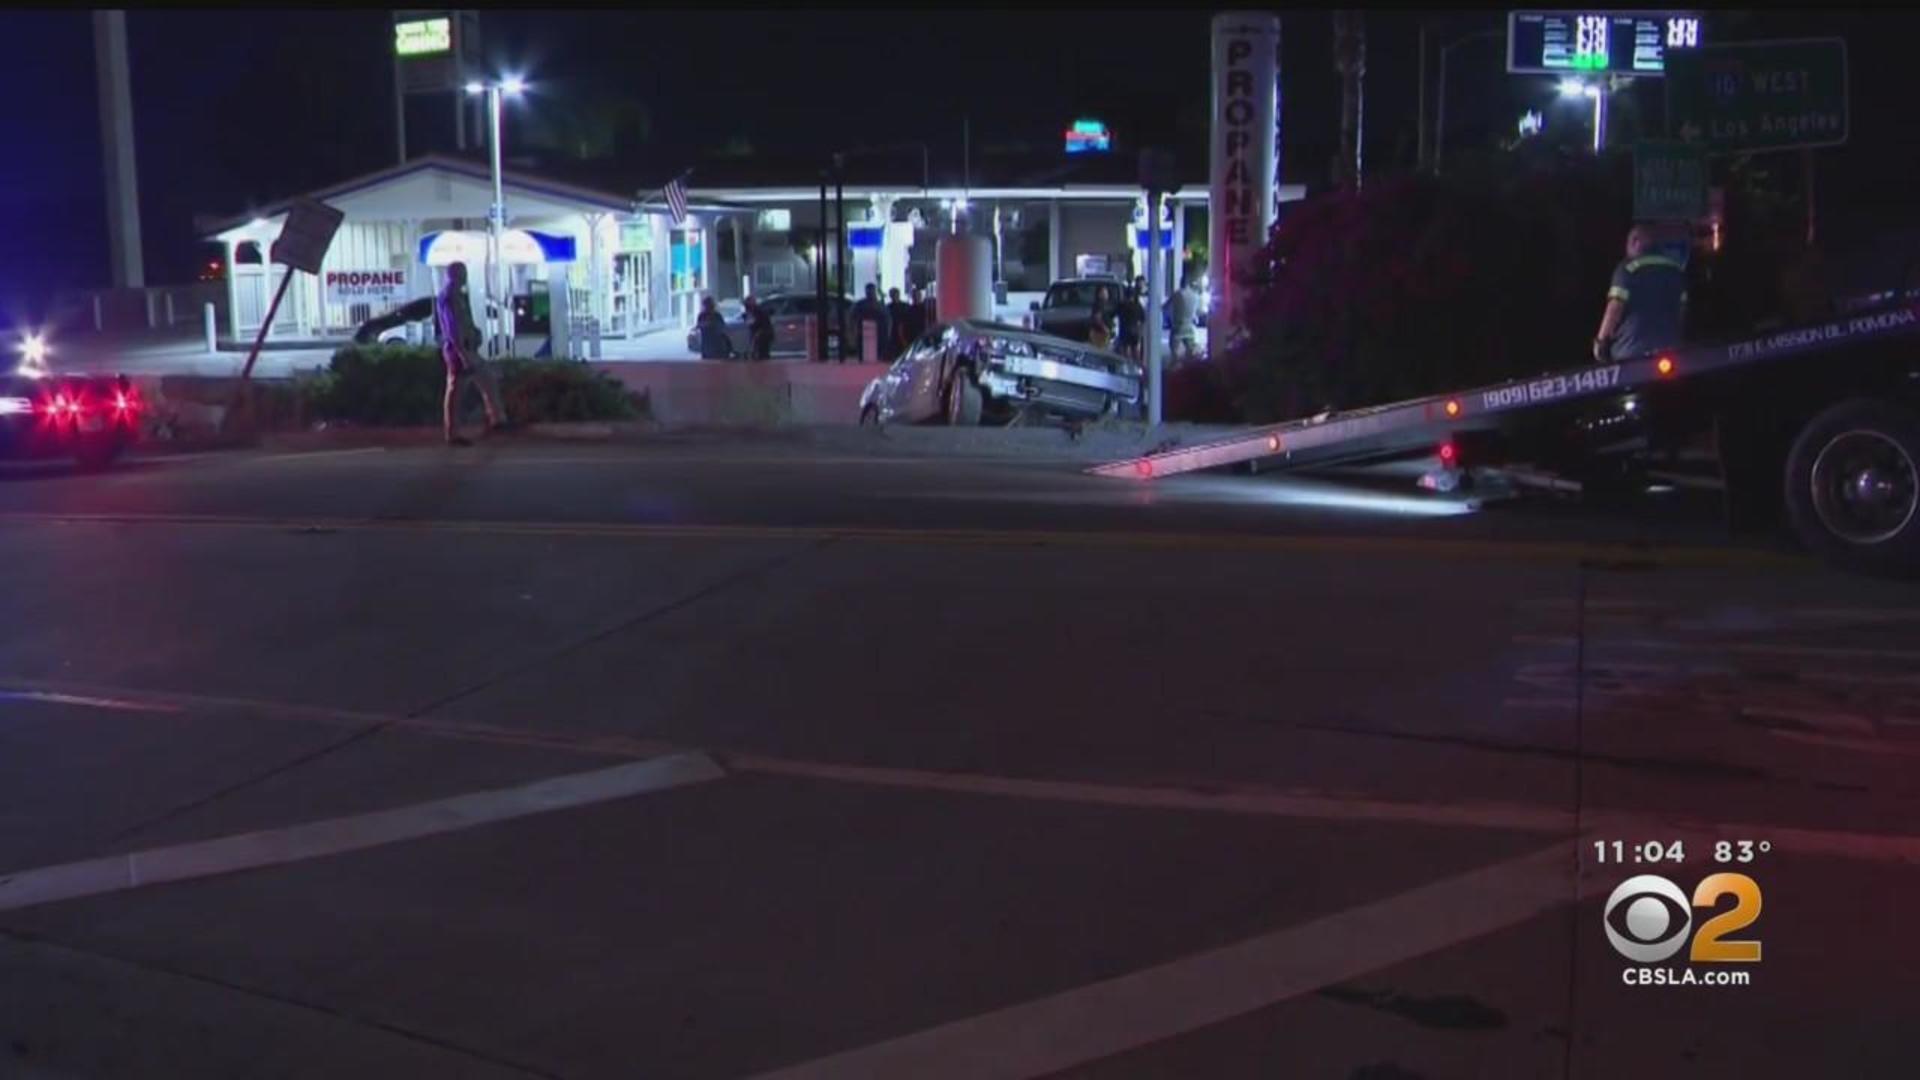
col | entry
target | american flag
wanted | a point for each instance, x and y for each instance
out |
(676, 193)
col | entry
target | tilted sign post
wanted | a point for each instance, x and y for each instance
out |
(302, 245)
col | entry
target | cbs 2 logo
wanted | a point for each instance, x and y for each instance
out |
(1647, 918)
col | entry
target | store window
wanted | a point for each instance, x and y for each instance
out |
(689, 254)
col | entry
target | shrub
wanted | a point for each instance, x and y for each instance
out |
(397, 385)
(553, 391)
(382, 385)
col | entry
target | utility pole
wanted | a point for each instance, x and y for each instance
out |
(1420, 109)
(116, 143)
(1350, 60)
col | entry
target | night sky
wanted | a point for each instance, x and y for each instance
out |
(234, 109)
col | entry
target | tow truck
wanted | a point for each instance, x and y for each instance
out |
(91, 418)
(1819, 424)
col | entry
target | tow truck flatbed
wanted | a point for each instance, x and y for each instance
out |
(1840, 394)
(1425, 423)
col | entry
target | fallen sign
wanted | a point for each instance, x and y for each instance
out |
(301, 245)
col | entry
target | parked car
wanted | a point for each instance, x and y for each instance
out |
(789, 313)
(91, 418)
(1067, 309)
(972, 372)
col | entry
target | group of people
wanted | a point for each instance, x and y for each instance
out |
(898, 324)
(1121, 324)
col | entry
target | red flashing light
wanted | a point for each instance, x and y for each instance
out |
(1453, 408)
(1145, 468)
(1273, 443)
(1448, 454)
(1664, 365)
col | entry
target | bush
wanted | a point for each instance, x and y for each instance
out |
(555, 391)
(382, 385)
(399, 385)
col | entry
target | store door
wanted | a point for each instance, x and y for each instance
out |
(632, 293)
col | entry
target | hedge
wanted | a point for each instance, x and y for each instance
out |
(398, 385)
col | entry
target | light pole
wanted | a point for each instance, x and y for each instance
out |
(1576, 88)
(1440, 119)
(502, 322)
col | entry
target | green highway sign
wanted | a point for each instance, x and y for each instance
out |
(1763, 95)
(1669, 181)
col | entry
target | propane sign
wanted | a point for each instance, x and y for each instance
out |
(365, 286)
(1244, 197)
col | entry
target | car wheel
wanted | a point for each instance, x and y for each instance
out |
(1852, 478)
(963, 403)
(870, 416)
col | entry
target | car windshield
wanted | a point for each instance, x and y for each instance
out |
(1075, 294)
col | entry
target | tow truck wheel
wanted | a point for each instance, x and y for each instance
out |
(1852, 479)
(963, 400)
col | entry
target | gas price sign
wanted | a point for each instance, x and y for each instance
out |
(1576, 42)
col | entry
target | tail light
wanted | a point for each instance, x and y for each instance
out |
(1449, 454)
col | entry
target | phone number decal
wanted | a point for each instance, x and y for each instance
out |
(1560, 386)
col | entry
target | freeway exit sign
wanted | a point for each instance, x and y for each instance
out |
(1763, 95)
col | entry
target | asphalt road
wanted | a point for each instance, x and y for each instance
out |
(708, 757)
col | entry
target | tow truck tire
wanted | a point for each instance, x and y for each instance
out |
(1851, 484)
(963, 404)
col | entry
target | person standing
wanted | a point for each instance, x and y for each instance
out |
(1132, 319)
(899, 320)
(1646, 302)
(714, 343)
(869, 309)
(460, 349)
(919, 316)
(759, 329)
(1182, 336)
(1100, 321)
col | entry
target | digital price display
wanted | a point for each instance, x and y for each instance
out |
(1580, 42)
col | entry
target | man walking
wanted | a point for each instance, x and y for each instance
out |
(460, 348)
(1646, 303)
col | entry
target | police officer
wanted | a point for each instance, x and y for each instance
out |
(1646, 304)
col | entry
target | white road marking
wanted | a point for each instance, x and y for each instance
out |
(55, 698)
(1756, 648)
(1125, 1013)
(1240, 799)
(1243, 801)
(310, 455)
(278, 847)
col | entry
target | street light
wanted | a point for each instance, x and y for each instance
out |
(1578, 88)
(510, 86)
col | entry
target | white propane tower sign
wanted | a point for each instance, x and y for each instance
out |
(1245, 160)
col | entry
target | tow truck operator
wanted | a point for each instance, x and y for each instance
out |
(1646, 304)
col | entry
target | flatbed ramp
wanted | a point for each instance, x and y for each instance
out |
(1428, 422)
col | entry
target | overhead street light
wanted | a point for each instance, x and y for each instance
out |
(1597, 93)
(510, 86)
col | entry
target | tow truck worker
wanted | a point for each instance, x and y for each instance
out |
(1646, 304)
